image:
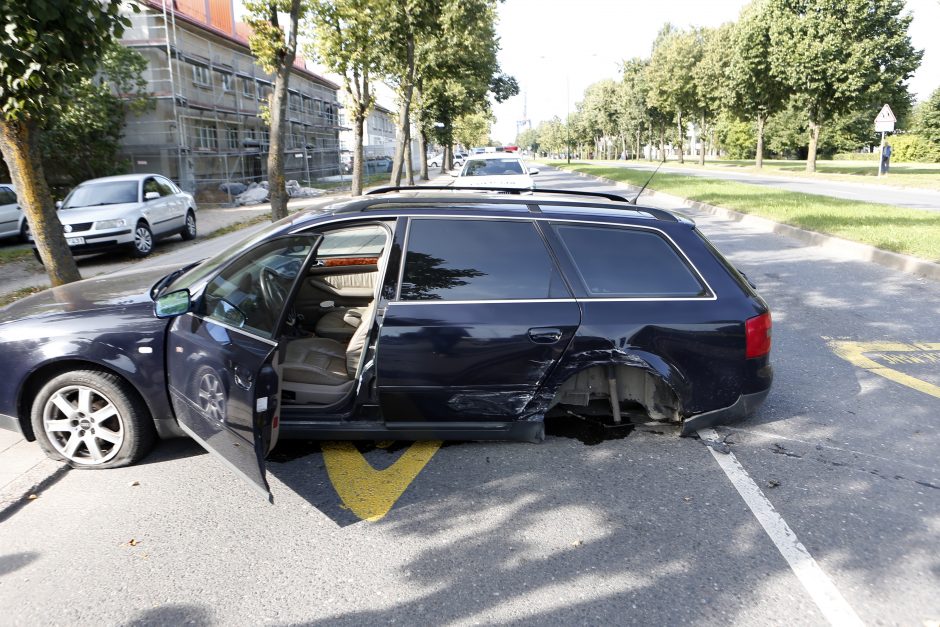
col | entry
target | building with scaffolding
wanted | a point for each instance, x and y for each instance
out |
(206, 127)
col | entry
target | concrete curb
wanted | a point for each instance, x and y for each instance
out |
(844, 247)
(15, 495)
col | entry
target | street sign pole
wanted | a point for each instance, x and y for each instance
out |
(884, 123)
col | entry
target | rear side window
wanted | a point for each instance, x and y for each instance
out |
(7, 197)
(621, 262)
(451, 260)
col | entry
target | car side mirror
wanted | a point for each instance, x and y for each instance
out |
(454, 173)
(533, 171)
(173, 304)
(58, 204)
(151, 195)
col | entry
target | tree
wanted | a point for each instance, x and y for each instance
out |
(927, 119)
(458, 84)
(275, 51)
(710, 78)
(600, 111)
(44, 46)
(632, 113)
(81, 138)
(349, 38)
(839, 54)
(754, 91)
(473, 129)
(672, 87)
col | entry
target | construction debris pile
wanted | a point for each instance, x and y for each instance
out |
(257, 193)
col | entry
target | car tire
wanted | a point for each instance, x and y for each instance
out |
(77, 439)
(143, 240)
(24, 232)
(189, 230)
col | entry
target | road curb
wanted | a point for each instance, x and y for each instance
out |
(15, 495)
(846, 248)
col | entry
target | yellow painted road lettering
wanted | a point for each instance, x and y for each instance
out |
(856, 353)
(367, 492)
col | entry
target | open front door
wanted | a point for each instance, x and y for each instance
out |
(222, 356)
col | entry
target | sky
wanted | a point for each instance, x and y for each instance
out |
(556, 48)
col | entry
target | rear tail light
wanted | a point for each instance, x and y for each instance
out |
(757, 332)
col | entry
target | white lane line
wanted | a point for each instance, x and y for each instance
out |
(817, 584)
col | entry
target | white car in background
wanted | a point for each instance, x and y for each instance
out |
(12, 219)
(131, 211)
(435, 161)
(495, 169)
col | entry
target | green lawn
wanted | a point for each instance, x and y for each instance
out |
(917, 175)
(897, 229)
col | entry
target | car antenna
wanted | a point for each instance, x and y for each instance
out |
(637, 197)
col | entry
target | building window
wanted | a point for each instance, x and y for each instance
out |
(248, 87)
(231, 137)
(201, 76)
(226, 82)
(206, 138)
(294, 102)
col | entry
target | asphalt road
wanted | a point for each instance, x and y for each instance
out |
(645, 529)
(898, 196)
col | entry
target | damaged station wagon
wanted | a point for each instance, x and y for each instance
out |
(408, 313)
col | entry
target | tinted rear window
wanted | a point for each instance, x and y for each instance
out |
(478, 260)
(620, 262)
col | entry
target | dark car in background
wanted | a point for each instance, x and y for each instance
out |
(407, 313)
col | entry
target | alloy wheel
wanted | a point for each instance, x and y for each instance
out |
(143, 239)
(83, 425)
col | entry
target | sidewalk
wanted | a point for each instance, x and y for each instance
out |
(25, 471)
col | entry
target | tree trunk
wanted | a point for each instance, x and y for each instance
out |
(759, 157)
(639, 131)
(358, 160)
(447, 162)
(19, 144)
(702, 141)
(404, 114)
(679, 137)
(276, 181)
(813, 142)
(409, 166)
(423, 149)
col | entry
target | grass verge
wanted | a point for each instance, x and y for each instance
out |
(897, 229)
(16, 254)
(23, 292)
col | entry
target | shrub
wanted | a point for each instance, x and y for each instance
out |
(913, 147)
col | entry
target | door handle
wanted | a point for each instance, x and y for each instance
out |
(545, 335)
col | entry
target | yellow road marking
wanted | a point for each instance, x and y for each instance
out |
(854, 353)
(367, 492)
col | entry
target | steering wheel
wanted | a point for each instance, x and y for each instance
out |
(272, 291)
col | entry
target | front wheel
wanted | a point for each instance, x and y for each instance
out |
(24, 232)
(92, 419)
(143, 240)
(189, 231)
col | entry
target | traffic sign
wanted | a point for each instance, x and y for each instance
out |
(884, 121)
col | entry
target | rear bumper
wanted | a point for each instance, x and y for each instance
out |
(743, 408)
(10, 423)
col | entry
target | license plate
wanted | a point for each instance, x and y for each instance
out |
(74, 241)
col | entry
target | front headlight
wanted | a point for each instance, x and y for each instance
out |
(110, 224)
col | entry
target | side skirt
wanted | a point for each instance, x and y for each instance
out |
(520, 431)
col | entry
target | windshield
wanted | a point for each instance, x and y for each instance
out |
(492, 167)
(94, 194)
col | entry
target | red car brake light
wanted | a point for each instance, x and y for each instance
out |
(757, 333)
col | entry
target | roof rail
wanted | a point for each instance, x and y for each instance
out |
(660, 214)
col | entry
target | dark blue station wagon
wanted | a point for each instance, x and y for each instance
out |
(403, 314)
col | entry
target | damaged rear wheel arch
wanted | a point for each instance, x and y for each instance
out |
(632, 385)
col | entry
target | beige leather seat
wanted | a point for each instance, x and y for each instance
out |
(323, 371)
(340, 324)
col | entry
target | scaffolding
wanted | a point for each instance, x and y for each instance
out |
(205, 128)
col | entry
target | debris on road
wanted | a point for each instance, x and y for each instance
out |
(772, 483)
(134, 484)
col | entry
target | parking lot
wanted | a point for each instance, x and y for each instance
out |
(825, 508)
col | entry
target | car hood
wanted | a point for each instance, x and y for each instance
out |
(116, 291)
(521, 181)
(79, 215)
